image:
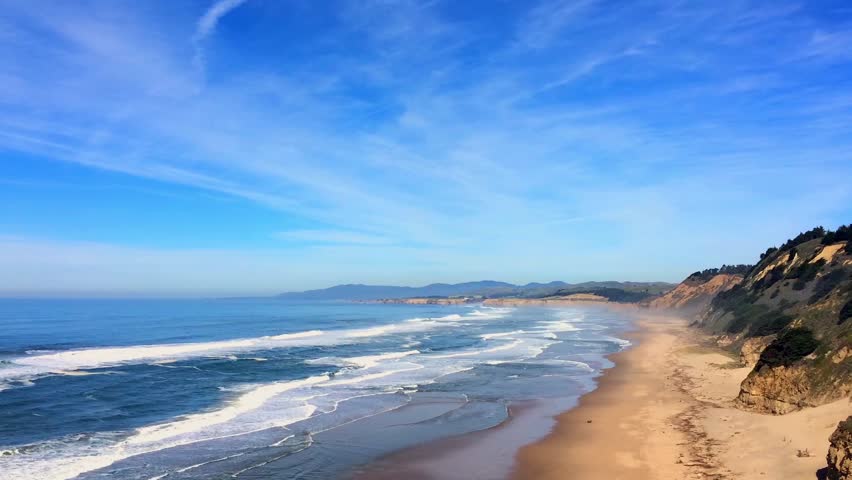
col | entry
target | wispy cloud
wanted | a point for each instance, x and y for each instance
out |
(207, 25)
(543, 24)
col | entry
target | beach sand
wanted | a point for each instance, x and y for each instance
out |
(665, 412)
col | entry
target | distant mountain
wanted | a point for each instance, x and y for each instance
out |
(485, 288)
(373, 292)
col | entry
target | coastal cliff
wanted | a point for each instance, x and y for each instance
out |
(697, 291)
(789, 318)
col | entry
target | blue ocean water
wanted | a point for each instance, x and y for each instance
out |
(263, 388)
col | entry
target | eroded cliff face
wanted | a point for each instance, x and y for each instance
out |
(840, 452)
(694, 296)
(752, 348)
(777, 390)
(791, 319)
(784, 389)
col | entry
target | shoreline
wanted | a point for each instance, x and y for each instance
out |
(602, 437)
(663, 411)
(490, 453)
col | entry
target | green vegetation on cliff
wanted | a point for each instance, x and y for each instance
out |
(702, 276)
(788, 349)
(800, 293)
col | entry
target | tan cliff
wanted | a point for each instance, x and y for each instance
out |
(777, 390)
(693, 296)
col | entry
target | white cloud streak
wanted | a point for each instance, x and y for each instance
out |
(207, 25)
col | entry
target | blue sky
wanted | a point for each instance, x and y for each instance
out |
(242, 147)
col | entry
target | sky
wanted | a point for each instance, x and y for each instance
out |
(235, 147)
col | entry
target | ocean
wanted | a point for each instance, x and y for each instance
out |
(265, 388)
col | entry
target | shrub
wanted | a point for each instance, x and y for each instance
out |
(707, 274)
(803, 237)
(826, 284)
(805, 272)
(843, 233)
(787, 349)
(775, 275)
(771, 323)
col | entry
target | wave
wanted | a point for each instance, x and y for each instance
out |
(488, 336)
(366, 361)
(560, 362)
(245, 403)
(501, 348)
(256, 408)
(559, 326)
(71, 360)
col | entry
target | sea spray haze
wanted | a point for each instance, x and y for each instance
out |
(184, 389)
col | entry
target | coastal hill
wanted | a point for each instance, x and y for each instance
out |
(790, 316)
(696, 292)
(447, 293)
(372, 292)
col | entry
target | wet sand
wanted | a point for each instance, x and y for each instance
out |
(485, 454)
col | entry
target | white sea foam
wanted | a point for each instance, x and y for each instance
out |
(245, 403)
(260, 407)
(470, 353)
(489, 336)
(369, 377)
(366, 361)
(559, 326)
(560, 362)
(70, 360)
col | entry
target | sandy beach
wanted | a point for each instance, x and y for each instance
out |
(665, 412)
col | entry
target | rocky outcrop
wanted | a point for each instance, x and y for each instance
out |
(693, 296)
(752, 348)
(786, 377)
(776, 390)
(840, 452)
